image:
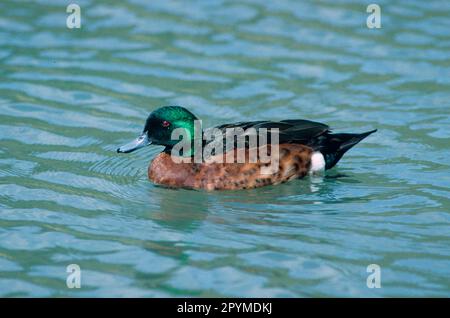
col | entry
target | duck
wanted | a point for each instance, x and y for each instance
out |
(303, 147)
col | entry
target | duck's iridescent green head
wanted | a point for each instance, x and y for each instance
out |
(159, 127)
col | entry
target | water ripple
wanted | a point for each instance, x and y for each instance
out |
(70, 97)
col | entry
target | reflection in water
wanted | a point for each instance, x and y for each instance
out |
(69, 98)
(183, 215)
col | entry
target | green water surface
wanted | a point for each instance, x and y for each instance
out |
(70, 97)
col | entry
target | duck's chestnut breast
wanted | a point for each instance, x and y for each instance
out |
(294, 162)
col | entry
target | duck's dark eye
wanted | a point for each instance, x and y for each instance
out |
(165, 123)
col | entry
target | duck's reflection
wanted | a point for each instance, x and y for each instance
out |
(180, 209)
(306, 190)
(185, 210)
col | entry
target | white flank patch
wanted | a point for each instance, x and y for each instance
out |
(317, 162)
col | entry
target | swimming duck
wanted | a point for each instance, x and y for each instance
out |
(303, 147)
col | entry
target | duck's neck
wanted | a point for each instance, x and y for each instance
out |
(189, 152)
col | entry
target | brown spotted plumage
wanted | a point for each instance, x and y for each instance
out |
(294, 162)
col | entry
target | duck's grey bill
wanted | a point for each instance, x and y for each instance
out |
(139, 142)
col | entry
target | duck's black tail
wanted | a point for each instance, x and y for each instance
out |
(334, 146)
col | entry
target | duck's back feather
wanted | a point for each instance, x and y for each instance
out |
(299, 131)
(315, 135)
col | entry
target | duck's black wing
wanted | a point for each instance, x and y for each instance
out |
(300, 131)
(290, 131)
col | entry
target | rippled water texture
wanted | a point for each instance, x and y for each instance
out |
(69, 97)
